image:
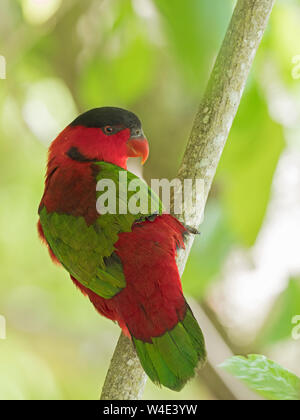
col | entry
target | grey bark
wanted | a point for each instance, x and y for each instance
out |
(125, 378)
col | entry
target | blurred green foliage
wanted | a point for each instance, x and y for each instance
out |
(154, 57)
(286, 307)
(248, 166)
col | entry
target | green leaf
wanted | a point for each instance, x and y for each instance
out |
(283, 39)
(195, 30)
(247, 166)
(121, 79)
(264, 376)
(285, 309)
(209, 251)
(123, 65)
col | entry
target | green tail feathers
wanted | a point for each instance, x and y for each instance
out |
(173, 357)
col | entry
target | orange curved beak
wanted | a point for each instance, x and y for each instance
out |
(138, 147)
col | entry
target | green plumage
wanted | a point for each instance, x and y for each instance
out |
(170, 360)
(87, 252)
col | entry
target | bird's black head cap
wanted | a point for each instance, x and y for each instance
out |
(101, 117)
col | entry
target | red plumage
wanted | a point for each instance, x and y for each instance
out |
(151, 308)
(152, 301)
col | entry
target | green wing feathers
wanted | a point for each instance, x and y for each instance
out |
(87, 252)
(171, 359)
(148, 204)
(81, 251)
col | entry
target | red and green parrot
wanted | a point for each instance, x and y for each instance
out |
(124, 263)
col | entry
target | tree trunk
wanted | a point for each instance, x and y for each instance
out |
(126, 379)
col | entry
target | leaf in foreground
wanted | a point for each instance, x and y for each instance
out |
(264, 376)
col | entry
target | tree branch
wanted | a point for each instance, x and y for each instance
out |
(125, 379)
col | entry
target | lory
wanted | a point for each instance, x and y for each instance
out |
(124, 263)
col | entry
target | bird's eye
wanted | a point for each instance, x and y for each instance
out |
(108, 130)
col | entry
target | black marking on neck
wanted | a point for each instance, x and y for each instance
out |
(74, 154)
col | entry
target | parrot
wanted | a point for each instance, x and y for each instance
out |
(125, 264)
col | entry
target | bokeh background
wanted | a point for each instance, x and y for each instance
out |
(153, 57)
